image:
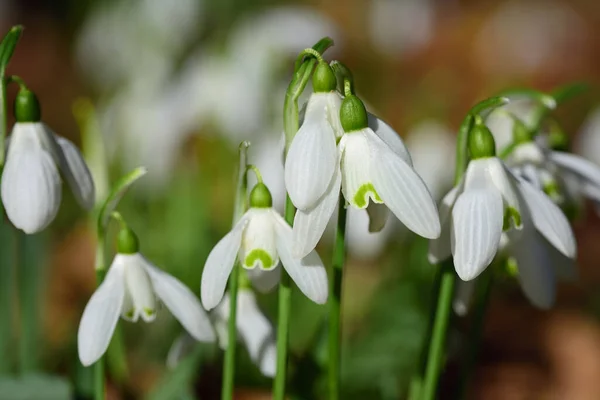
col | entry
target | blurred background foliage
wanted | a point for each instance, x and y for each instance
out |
(176, 85)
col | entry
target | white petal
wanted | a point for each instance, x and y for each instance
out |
(256, 333)
(264, 281)
(219, 264)
(549, 219)
(309, 272)
(501, 177)
(334, 103)
(311, 159)
(578, 165)
(31, 188)
(76, 172)
(100, 316)
(357, 184)
(138, 287)
(258, 241)
(530, 173)
(536, 274)
(378, 215)
(310, 224)
(182, 303)
(477, 218)
(440, 248)
(389, 137)
(461, 303)
(402, 190)
(181, 347)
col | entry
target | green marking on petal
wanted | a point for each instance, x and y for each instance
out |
(149, 312)
(509, 214)
(511, 267)
(129, 314)
(361, 197)
(259, 255)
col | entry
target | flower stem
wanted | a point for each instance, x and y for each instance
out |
(482, 302)
(437, 345)
(335, 302)
(283, 318)
(99, 389)
(240, 206)
(229, 365)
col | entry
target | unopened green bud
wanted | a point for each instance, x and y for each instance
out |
(127, 242)
(481, 142)
(324, 78)
(27, 106)
(260, 196)
(521, 133)
(353, 114)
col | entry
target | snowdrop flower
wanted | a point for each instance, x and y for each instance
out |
(254, 330)
(260, 239)
(131, 290)
(31, 184)
(562, 175)
(488, 201)
(371, 162)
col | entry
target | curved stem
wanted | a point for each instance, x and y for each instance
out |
(18, 80)
(256, 171)
(307, 52)
(335, 302)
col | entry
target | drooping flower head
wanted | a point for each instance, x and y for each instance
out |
(132, 289)
(372, 168)
(31, 184)
(491, 200)
(260, 240)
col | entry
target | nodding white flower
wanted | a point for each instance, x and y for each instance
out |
(31, 184)
(132, 289)
(261, 239)
(254, 330)
(563, 176)
(371, 166)
(488, 201)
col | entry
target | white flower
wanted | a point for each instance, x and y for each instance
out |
(370, 163)
(254, 330)
(567, 176)
(312, 157)
(260, 239)
(31, 184)
(131, 290)
(476, 212)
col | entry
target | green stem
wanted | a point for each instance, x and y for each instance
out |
(283, 318)
(229, 365)
(240, 206)
(437, 346)
(99, 389)
(482, 302)
(335, 302)
(30, 275)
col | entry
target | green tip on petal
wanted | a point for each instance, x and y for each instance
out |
(361, 196)
(481, 142)
(353, 114)
(324, 78)
(27, 106)
(558, 139)
(521, 133)
(260, 196)
(511, 267)
(127, 242)
(259, 255)
(511, 214)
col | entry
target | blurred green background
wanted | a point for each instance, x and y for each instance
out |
(176, 85)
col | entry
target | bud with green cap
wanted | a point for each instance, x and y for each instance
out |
(323, 79)
(27, 106)
(127, 241)
(481, 142)
(353, 114)
(260, 196)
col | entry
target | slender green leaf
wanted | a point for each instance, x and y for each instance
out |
(116, 194)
